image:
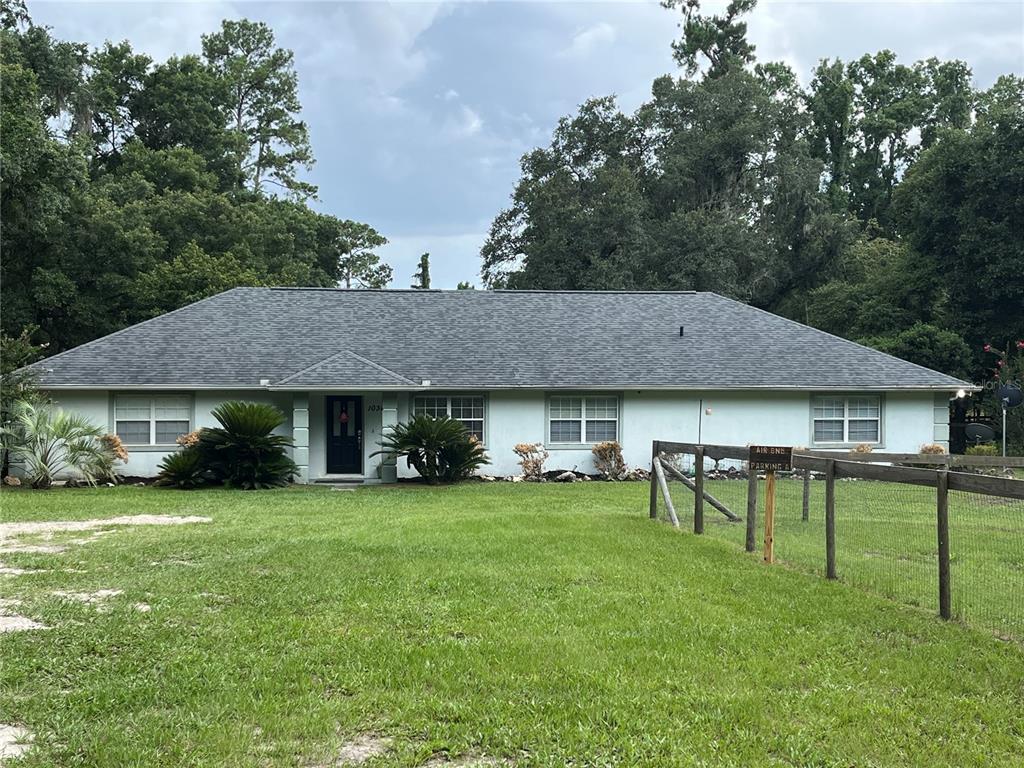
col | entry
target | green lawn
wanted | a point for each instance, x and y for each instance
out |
(548, 625)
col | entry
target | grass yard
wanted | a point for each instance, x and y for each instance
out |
(543, 625)
(886, 541)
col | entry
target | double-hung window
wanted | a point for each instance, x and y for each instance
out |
(152, 419)
(847, 420)
(468, 410)
(577, 419)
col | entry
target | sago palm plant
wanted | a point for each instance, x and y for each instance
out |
(244, 452)
(49, 441)
(182, 469)
(439, 449)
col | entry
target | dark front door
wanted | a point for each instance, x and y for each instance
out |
(344, 435)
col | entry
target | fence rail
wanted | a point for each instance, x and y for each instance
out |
(866, 466)
(875, 532)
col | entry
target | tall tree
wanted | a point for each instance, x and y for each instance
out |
(721, 40)
(830, 105)
(961, 207)
(272, 144)
(121, 196)
(422, 275)
(358, 265)
(116, 78)
(183, 103)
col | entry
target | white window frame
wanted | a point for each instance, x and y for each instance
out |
(846, 442)
(152, 419)
(448, 408)
(583, 397)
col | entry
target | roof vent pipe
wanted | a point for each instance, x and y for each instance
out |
(680, 331)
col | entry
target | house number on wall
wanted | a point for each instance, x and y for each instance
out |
(375, 408)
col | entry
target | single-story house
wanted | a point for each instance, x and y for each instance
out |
(564, 368)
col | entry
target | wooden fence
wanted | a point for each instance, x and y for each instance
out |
(886, 467)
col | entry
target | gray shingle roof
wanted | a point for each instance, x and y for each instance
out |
(298, 338)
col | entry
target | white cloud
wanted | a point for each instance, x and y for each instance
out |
(585, 42)
(376, 44)
(150, 29)
(466, 123)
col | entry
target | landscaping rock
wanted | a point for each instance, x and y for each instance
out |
(12, 622)
(18, 624)
(12, 481)
(566, 477)
(362, 748)
(88, 597)
(14, 741)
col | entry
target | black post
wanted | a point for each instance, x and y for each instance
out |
(805, 513)
(942, 520)
(830, 519)
(751, 510)
(698, 490)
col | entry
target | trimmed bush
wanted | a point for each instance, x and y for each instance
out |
(531, 458)
(982, 449)
(608, 460)
(182, 469)
(439, 449)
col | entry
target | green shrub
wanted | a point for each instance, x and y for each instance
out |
(182, 469)
(439, 449)
(50, 441)
(982, 449)
(243, 452)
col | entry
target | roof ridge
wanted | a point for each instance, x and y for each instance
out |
(474, 292)
(791, 321)
(335, 356)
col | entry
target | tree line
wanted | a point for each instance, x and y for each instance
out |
(882, 202)
(131, 187)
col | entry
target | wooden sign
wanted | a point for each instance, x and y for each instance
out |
(771, 458)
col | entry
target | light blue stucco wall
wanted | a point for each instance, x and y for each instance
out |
(909, 420)
(733, 418)
(97, 406)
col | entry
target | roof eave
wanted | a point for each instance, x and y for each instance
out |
(951, 387)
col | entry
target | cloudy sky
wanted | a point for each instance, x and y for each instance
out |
(420, 111)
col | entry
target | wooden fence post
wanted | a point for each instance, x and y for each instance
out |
(830, 519)
(942, 520)
(751, 510)
(663, 484)
(698, 493)
(655, 450)
(769, 516)
(805, 513)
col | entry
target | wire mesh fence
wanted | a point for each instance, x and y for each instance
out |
(886, 533)
(987, 561)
